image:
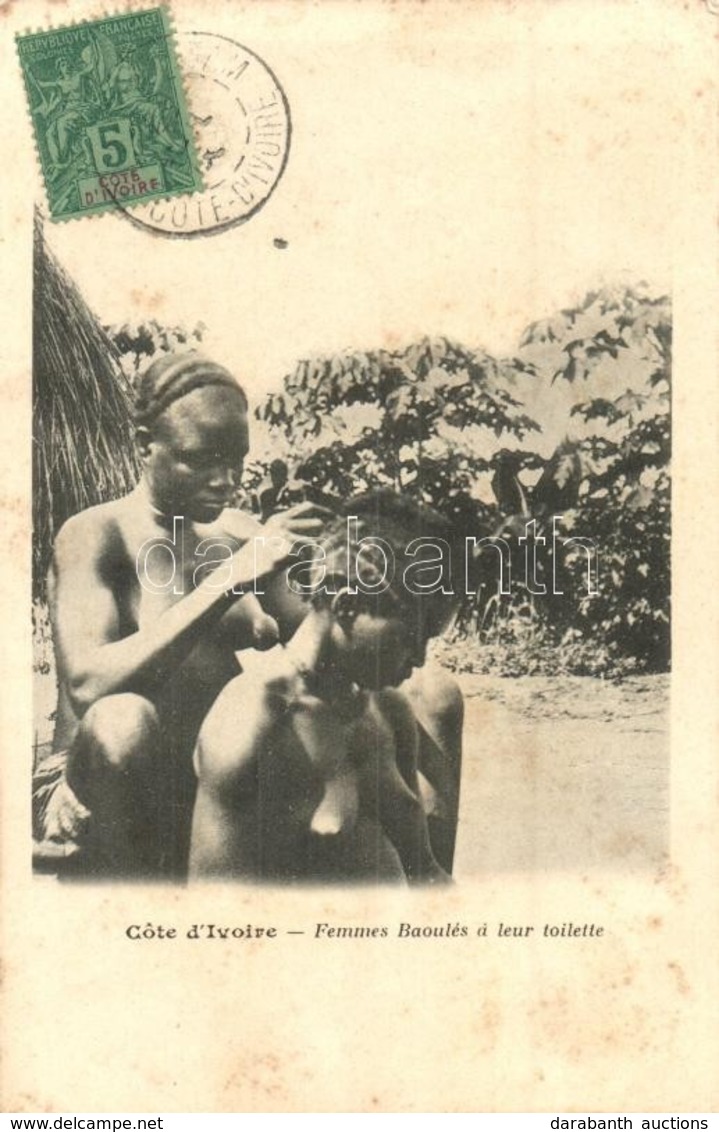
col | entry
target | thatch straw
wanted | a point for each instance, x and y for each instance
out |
(83, 450)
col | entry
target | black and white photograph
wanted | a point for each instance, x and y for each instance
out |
(461, 536)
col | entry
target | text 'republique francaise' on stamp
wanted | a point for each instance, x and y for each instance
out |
(242, 122)
(108, 107)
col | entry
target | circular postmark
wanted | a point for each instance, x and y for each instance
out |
(241, 120)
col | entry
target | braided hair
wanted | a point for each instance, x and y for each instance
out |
(173, 376)
(371, 524)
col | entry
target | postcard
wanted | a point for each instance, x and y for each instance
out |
(359, 696)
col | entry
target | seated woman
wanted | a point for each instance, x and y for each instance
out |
(145, 636)
(438, 706)
(307, 762)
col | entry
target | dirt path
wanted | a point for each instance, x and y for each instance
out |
(564, 773)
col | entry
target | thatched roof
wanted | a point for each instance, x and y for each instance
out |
(83, 450)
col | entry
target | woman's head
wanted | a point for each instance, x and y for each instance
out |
(192, 434)
(390, 578)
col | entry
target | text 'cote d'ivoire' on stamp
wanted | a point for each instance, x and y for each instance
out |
(108, 108)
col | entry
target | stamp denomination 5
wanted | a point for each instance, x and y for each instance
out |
(108, 108)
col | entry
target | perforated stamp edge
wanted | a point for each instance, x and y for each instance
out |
(113, 206)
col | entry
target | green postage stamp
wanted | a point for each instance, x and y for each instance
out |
(108, 108)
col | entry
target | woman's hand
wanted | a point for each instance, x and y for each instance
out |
(302, 521)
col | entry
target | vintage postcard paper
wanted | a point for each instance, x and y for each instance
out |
(259, 261)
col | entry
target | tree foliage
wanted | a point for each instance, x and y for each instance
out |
(458, 429)
(626, 494)
(137, 343)
(411, 420)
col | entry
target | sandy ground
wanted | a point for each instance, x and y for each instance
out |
(564, 773)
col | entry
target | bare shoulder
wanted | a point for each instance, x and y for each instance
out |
(395, 706)
(433, 690)
(88, 535)
(244, 714)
